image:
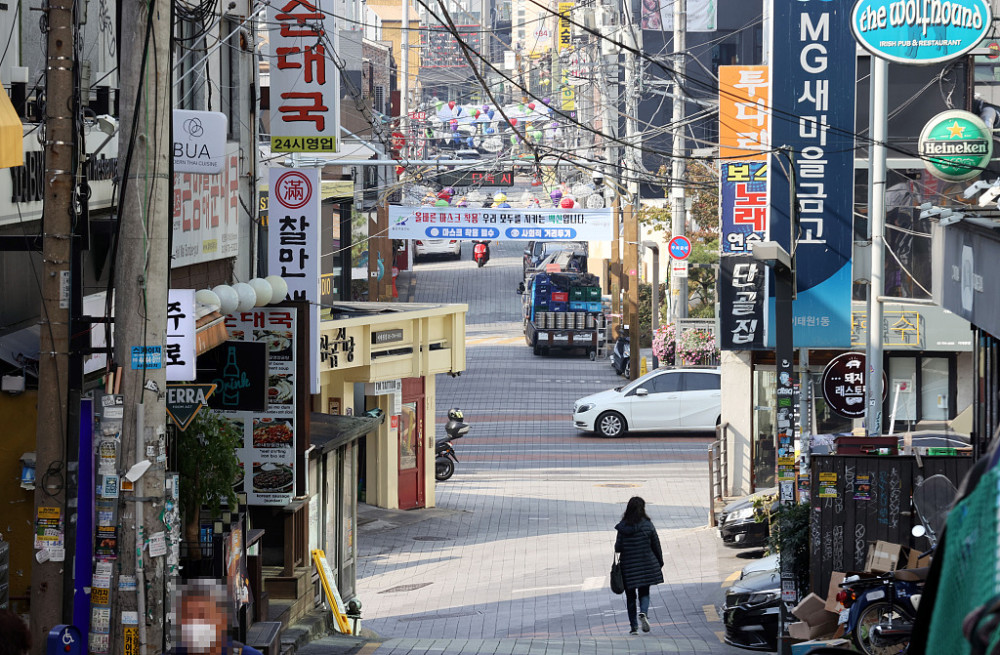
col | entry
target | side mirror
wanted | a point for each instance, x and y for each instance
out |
(641, 392)
(918, 531)
(520, 288)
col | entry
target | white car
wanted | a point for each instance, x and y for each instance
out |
(668, 399)
(424, 247)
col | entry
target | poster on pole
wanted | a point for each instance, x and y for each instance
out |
(535, 224)
(812, 96)
(305, 82)
(293, 247)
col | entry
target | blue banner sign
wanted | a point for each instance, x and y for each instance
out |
(920, 31)
(813, 78)
(742, 205)
(534, 223)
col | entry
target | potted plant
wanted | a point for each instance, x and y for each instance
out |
(208, 468)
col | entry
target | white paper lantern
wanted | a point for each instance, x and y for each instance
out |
(279, 288)
(208, 297)
(228, 300)
(247, 296)
(263, 290)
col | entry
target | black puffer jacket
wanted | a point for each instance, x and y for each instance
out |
(641, 558)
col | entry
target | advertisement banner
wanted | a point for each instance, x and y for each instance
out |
(659, 15)
(741, 302)
(567, 93)
(565, 41)
(267, 459)
(742, 206)
(744, 112)
(205, 221)
(305, 83)
(813, 81)
(293, 246)
(499, 224)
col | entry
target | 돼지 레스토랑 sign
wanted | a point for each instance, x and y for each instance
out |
(920, 32)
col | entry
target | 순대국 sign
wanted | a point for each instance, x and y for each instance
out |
(920, 31)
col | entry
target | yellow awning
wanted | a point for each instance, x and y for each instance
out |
(11, 134)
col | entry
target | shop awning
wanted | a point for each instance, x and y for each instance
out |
(330, 431)
(11, 133)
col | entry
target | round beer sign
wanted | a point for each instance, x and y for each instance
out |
(956, 145)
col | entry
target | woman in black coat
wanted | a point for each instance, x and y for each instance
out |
(641, 560)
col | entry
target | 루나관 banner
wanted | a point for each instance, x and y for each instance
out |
(813, 65)
(537, 224)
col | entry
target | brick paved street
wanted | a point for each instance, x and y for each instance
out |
(515, 557)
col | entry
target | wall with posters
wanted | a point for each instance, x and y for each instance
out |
(371, 345)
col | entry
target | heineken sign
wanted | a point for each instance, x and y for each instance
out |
(920, 31)
(956, 145)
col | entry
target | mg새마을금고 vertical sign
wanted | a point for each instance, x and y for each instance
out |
(812, 120)
(305, 81)
(293, 242)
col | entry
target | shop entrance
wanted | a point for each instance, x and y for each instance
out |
(411, 440)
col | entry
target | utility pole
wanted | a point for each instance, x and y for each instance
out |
(678, 196)
(404, 95)
(631, 36)
(52, 431)
(141, 282)
(877, 171)
(612, 176)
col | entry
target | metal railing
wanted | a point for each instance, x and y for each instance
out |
(718, 469)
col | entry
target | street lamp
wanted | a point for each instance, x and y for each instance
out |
(655, 247)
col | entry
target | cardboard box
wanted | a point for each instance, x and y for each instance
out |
(806, 646)
(815, 621)
(883, 556)
(802, 630)
(915, 561)
(832, 604)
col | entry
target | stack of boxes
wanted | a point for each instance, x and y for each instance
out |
(565, 302)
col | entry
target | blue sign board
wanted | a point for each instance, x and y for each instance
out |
(64, 640)
(144, 357)
(679, 247)
(918, 31)
(742, 205)
(813, 77)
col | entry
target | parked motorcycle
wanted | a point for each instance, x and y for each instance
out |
(621, 352)
(445, 459)
(481, 252)
(882, 609)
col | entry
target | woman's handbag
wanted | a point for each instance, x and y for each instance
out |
(617, 581)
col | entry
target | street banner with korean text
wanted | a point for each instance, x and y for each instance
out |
(536, 224)
(206, 215)
(565, 39)
(293, 241)
(305, 82)
(812, 96)
(267, 458)
(742, 206)
(742, 320)
(744, 112)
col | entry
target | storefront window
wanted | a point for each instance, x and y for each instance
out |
(408, 437)
(934, 389)
(763, 428)
(902, 390)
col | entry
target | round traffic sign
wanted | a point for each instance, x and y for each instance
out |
(679, 247)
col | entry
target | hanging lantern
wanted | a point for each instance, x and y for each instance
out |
(491, 113)
(440, 203)
(513, 122)
(531, 106)
(451, 104)
(546, 100)
(555, 194)
(567, 203)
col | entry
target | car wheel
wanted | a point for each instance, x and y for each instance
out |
(611, 424)
(536, 350)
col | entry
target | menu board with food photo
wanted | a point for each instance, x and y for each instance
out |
(267, 459)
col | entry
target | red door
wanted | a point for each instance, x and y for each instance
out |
(411, 445)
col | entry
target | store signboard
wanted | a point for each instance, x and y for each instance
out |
(199, 144)
(305, 83)
(239, 370)
(267, 458)
(565, 41)
(181, 351)
(742, 206)
(744, 112)
(956, 145)
(813, 84)
(918, 31)
(741, 303)
(206, 214)
(500, 224)
(294, 242)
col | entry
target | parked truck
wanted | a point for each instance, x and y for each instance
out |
(562, 311)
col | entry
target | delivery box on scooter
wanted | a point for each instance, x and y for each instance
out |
(883, 556)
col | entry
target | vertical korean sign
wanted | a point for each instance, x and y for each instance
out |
(293, 243)
(179, 358)
(267, 458)
(813, 81)
(565, 26)
(305, 83)
(744, 125)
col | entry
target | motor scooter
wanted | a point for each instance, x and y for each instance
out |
(481, 252)
(882, 610)
(621, 352)
(444, 451)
